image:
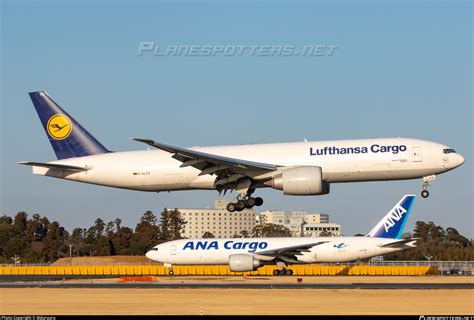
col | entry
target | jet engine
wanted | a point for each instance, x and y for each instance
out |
(301, 181)
(243, 262)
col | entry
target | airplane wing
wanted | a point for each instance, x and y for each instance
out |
(289, 254)
(228, 170)
(56, 166)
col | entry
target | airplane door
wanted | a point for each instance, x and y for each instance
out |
(417, 155)
(173, 250)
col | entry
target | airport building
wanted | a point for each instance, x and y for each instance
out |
(302, 223)
(218, 221)
(322, 229)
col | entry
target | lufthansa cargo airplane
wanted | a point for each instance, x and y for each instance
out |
(248, 254)
(300, 168)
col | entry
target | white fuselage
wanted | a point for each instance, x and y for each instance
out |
(218, 251)
(341, 161)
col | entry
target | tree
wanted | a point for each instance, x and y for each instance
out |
(36, 228)
(19, 224)
(208, 235)
(146, 234)
(101, 245)
(78, 242)
(270, 230)
(436, 243)
(6, 232)
(13, 247)
(171, 224)
(121, 241)
(6, 220)
(54, 245)
(242, 234)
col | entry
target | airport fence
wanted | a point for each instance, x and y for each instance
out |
(158, 270)
(444, 267)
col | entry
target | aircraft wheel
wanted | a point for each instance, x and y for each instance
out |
(171, 272)
(276, 272)
(231, 207)
(250, 202)
(289, 272)
(240, 205)
(282, 272)
(425, 193)
(258, 201)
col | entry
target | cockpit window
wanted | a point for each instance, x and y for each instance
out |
(449, 151)
(155, 249)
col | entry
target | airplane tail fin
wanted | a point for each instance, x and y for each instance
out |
(67, 137)
(393, 223)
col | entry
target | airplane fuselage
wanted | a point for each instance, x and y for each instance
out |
(341, 161)
(218, 251)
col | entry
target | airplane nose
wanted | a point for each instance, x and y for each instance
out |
(460, 159)
(149, 255)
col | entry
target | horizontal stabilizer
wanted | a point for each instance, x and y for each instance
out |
(56, 166)
(400, 243)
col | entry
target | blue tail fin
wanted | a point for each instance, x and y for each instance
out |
(392, 225)
(67, 137)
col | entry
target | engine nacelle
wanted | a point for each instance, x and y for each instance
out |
(302, 181)
(243, 262)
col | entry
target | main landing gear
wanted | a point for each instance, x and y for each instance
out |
(426, 182)
(283, 272)
(244, 199)
(244, 203)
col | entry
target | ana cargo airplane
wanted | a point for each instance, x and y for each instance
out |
(300, 168)
(248, 254)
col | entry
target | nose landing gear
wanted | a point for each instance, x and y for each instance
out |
(426, 182)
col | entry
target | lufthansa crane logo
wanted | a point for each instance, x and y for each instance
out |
(59, 127)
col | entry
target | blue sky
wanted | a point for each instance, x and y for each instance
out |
(400, 69)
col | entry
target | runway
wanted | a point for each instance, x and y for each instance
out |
(227, 285)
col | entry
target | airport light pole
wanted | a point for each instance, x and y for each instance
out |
(70, 254)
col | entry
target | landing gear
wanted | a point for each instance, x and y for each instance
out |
(426, 182)
(231, 207)
(283, 272)
(241, 205)
(244, 199)
(246, 202)
(170, 270)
